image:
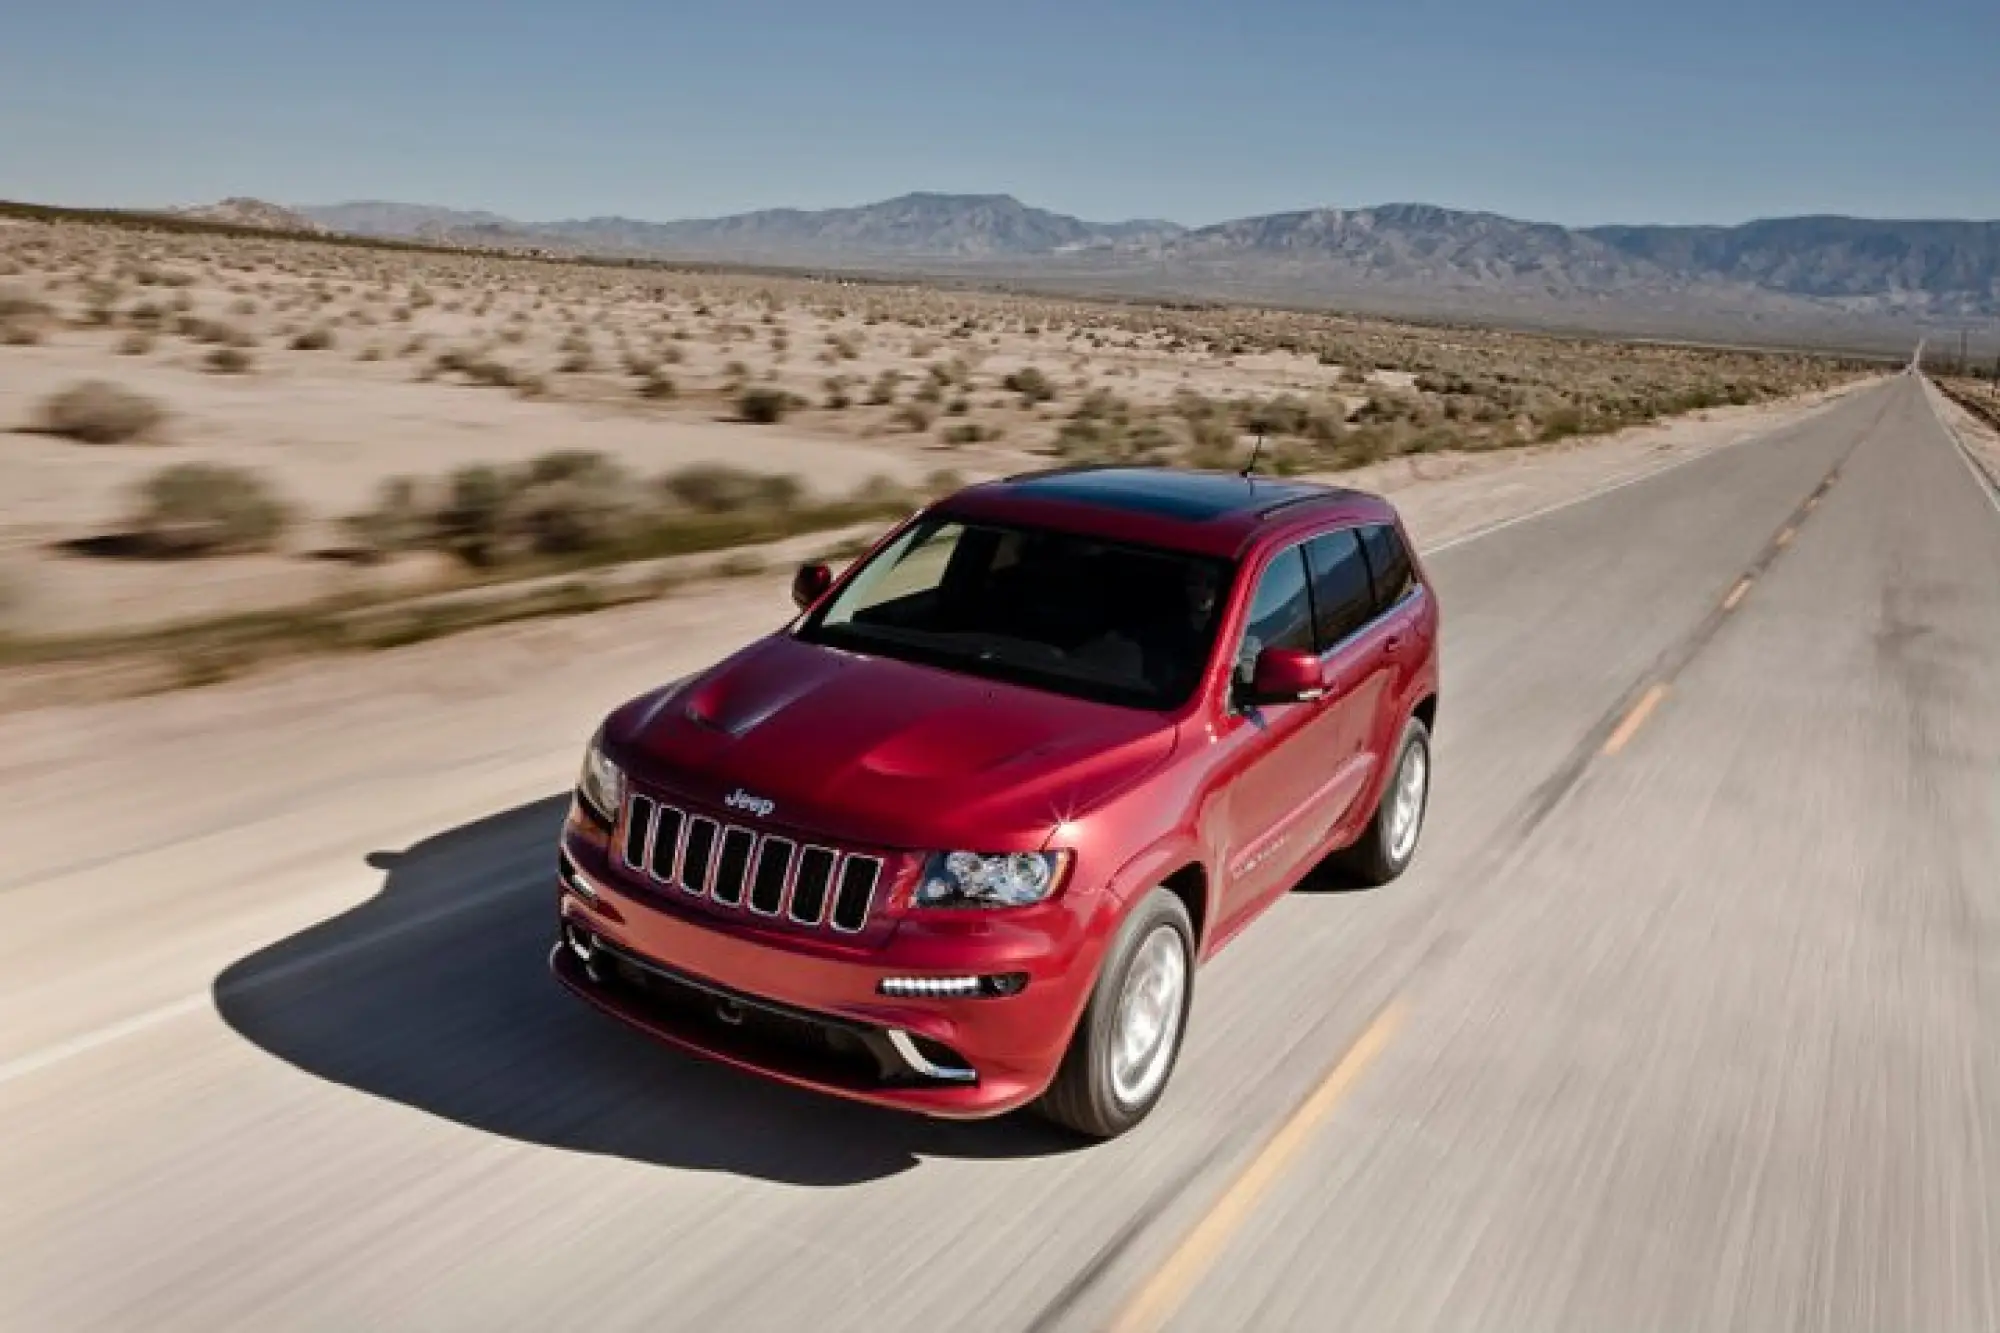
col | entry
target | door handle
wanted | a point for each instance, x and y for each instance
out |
(1393, 644)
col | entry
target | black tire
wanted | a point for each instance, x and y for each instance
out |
(1372, 860)
(1082, 1097)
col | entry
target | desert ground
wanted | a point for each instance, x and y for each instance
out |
(204, 428)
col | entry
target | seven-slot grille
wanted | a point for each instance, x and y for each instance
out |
(732, 866)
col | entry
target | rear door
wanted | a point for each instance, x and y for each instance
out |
(1354, 669)
(1398, 632)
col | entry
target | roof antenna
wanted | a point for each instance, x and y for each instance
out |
(1256, 451)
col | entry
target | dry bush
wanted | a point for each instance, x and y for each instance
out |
(882, 390)
(99, 412)
(315, 339)
(914, 416)
(970, 432)
(228, 361)
(195, 509)
(1031, 383)
(837, 397)
(22, 317)
(764, 404)
(135, 343)
(659, 387)
(716, 488)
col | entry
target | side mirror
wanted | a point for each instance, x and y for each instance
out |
(810, 584)
(1284, 676)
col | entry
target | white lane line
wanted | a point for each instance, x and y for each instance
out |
(1620, 485)
(35, 1061)
(1988, 486)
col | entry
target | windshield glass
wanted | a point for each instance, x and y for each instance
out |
(1100, 620)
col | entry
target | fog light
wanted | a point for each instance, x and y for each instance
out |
(953, 988)
(573, 879)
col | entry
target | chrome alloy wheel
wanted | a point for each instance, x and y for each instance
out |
(1406, 802)
(1148, 1024)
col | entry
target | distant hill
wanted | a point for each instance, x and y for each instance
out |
(240, 212)
(913, 225)
(1787, 270)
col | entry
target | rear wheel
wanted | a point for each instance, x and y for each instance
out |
(1129, 1038)
(1388, 846)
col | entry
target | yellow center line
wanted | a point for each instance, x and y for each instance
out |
(1736, 594)
(1168, 1288)
(1785, 537)
(1635, 719)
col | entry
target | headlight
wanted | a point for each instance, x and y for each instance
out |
(601, 785)
(968, 879)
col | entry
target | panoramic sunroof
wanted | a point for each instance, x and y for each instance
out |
(1193, 496)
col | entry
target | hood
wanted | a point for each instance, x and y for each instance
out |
(882, 752)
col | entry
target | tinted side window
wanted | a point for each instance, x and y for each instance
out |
(1280, 613)
(1390, 562)
(1343, 600)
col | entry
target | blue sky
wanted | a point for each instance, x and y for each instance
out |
(1701, 110)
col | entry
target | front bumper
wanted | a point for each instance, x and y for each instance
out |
(810, 1012)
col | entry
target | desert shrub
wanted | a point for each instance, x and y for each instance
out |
(315, 339)
(915, 416)
(739, 564)
(136, 343)
(717, 488)
(658, 387)
(944, 481)
(98, 412)
(228, 361)
(1031, 384)
(1562, 422)
(882, 491)
(837, 396)
(208, 509)
(882, 390)
(764, 404)
(567, 502)
(404, 517)
(15, 304)
(970, 432)
(213, 331)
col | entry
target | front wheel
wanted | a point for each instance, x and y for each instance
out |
(1129, 1038)
(1389, 844)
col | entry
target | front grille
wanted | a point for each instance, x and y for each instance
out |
(736, 867)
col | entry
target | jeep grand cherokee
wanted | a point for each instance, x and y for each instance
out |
(955, 838)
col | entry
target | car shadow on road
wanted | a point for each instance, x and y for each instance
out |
(436, 994)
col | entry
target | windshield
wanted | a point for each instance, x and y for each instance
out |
(1100, 620)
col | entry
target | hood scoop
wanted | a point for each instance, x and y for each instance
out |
(737, 702)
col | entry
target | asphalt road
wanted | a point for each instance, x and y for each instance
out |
(1684, 1019)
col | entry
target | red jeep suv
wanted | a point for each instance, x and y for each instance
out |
(955, 838)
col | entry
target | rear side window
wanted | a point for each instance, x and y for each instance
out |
(1389, 562)
(1280, 614)
(1343, 598)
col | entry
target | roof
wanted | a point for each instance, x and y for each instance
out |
(1215, 513)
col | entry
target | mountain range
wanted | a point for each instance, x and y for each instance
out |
(1777, 273)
